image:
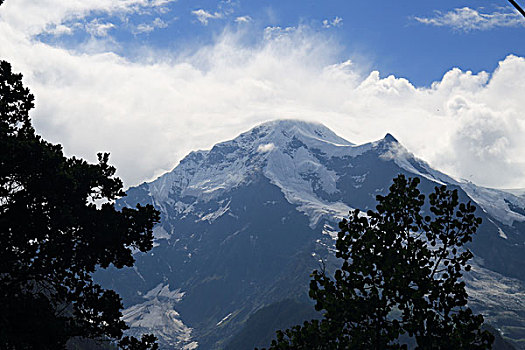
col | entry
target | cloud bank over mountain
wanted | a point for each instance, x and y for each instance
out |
(151, 111)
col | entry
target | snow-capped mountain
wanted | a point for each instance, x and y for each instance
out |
(243, 225)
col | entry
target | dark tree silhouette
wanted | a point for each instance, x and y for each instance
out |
(400, 275)
(53, 235)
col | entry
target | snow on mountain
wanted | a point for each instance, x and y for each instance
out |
(287, 152)
(204, 174)
(518, 192)
(406, 160)
(157, 314)
(273, 148)
(498, 203)
(502, 205)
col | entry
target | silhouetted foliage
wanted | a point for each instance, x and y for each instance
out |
(146, 342)
(400, 276)
(53, 235)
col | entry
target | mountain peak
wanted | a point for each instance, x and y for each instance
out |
(390, 138)
(296, 156)
(390, 145)
(282, 130)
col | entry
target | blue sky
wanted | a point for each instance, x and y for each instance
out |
(383, 35)
(151, 80)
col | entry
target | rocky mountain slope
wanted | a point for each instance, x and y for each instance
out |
(244, 224)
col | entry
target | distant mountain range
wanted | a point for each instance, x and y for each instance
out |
(245, 223)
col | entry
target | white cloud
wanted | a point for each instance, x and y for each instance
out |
(150, 114)
(149, 27)
(34, 17)
(225, 8)
(243, 19)
(60, 30)
(95, 28)
(158, 23)
(158, 3)
(204, 16)
(336, 22)
(266, 148)
(468, 19)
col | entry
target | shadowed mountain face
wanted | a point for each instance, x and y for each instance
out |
(245, 223)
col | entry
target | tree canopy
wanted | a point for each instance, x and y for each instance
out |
(57, 225)
(400, 277)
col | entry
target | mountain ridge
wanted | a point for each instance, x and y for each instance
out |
(244, 223)
(263, 140)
